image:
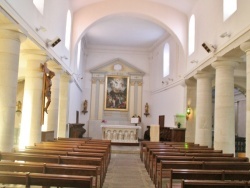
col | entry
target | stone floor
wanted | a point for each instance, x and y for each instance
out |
(126, 169)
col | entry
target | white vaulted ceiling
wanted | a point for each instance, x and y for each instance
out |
(127, 30)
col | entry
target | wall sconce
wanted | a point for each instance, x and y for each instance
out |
(19, 106)
(194, 61)
(85, 106)
(53, 43)
(188, 112)
(226, 34)
(208, 47)
(146, 110)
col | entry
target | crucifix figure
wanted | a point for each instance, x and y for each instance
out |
(48, 75)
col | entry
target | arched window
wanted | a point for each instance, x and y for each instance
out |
(39, 4)
(68, 30)
(229, 7)
(191, 35)
(79, 54)
(166, 60)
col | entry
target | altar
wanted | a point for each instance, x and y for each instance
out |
(120, 133)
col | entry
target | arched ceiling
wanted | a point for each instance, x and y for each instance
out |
(127, 30)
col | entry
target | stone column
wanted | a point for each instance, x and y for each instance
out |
(63, 104)
(30, 131)
(224, 120)
(9, 61)
(203, 129)
(246, 47)
(52, 123)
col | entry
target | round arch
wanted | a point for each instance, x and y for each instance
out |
(168, 18)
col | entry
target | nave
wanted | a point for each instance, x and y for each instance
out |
(126, 170)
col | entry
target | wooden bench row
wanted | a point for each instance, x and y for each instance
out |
(90, 161)
(167, 166)
(28, 179)
(224, 175)
(214, 184)
(161, 159)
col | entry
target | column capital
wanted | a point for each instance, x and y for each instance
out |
(34, 54)
(226, 62)
(202, 74)
(12, 34)
(245, 46)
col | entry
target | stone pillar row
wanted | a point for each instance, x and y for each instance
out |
(30, 130)
(224, 117)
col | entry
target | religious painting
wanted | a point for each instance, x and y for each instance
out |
(116, 93)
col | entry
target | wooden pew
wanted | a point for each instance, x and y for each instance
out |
(214, 184)
(187, 174)
(79, 170)
(143, 146)
(73, 139)
(165, 167)
(89, 145)
(39, 179)
(65, 147)
(55, 159)
(152, 163)
(63, 153)
(189, 150)
(159, 159)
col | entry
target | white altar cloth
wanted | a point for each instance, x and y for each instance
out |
(120, 133)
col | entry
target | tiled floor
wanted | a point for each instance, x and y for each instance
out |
(126, 169)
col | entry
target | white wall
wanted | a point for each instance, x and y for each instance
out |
(210, 25)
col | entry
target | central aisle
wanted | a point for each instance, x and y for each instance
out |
(126, 169)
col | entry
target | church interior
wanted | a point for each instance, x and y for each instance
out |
(127, 89)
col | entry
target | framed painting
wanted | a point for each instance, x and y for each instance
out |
(116, 93)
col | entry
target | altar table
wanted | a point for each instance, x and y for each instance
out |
(120, 133)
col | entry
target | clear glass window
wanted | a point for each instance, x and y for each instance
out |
(229, 7)
(79, 54)
(68, 30)
(191, 35)
(166, 60)
(39, 4)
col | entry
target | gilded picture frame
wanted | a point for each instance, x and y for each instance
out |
(116, 93)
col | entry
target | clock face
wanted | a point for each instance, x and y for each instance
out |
(117, 67)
